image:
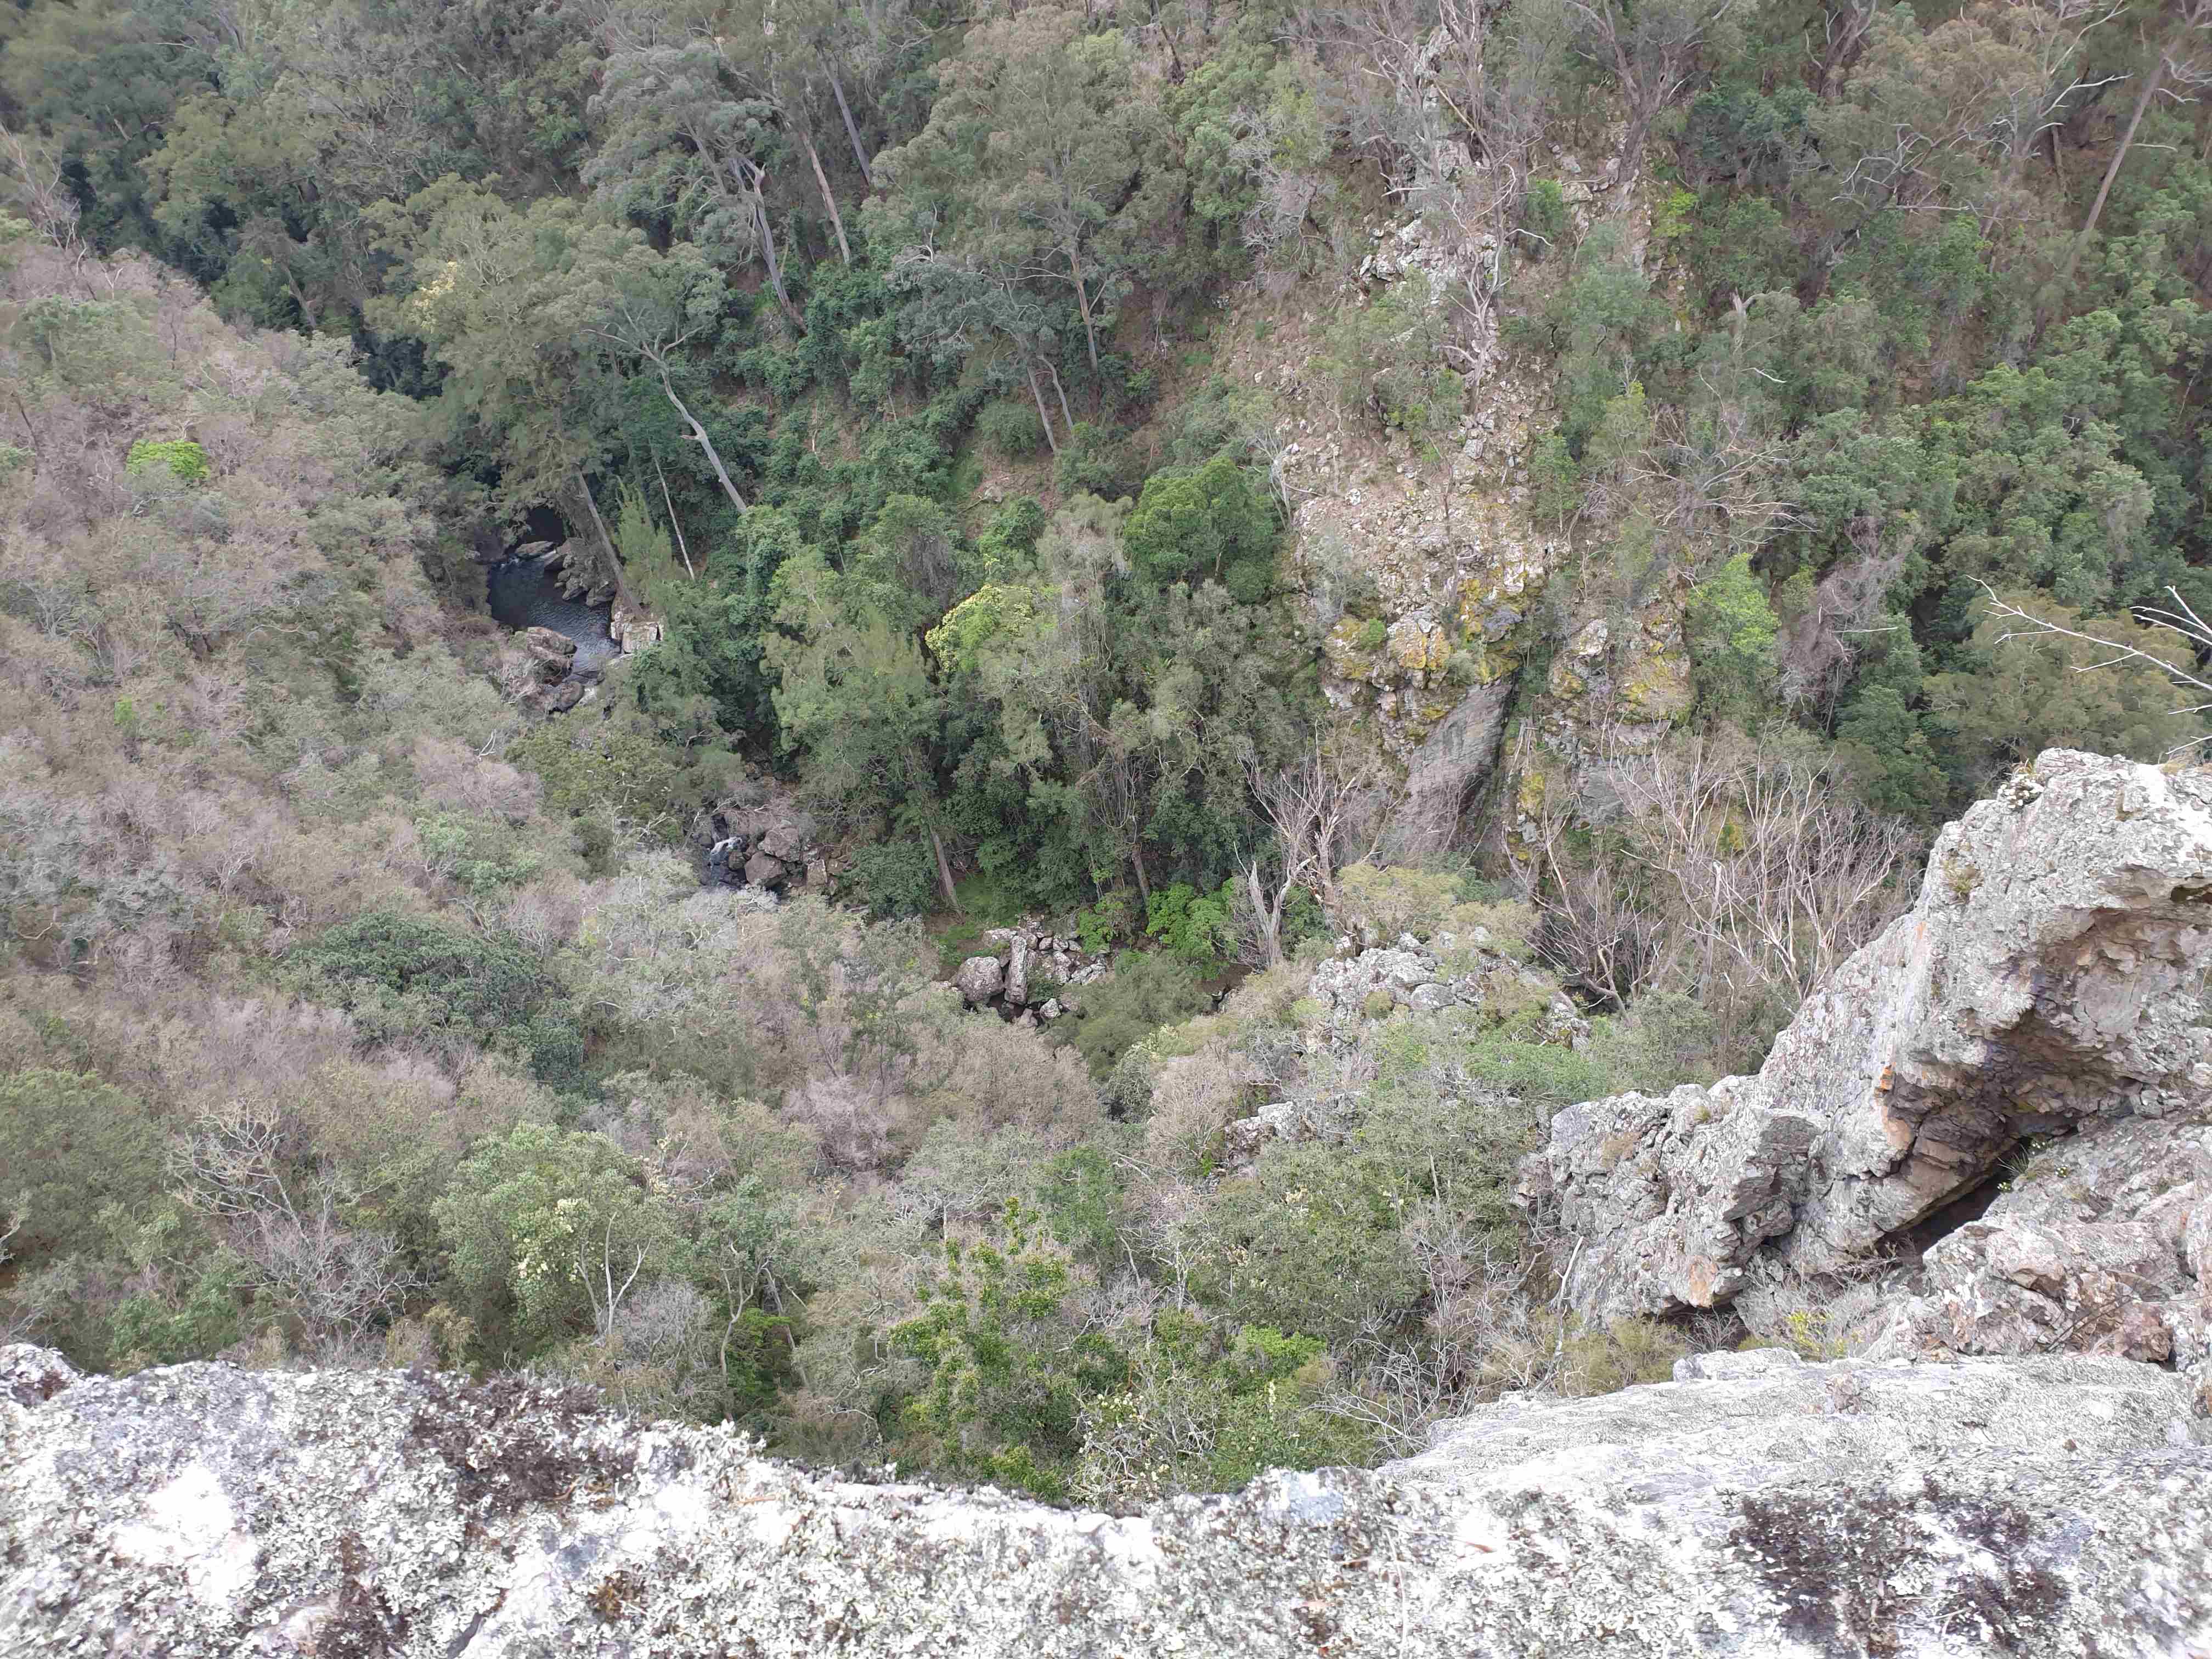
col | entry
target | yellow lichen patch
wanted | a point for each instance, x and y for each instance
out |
(1657, 687)
(1417, 647)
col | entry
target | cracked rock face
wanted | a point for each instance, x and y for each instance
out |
(2059, 1506)
(2050, 976)
(2102, 1242)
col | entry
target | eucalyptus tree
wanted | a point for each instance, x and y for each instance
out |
(1028, 172)
(687, 147)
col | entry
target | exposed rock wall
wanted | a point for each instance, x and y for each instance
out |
(2057, 1507)
(2051, 975)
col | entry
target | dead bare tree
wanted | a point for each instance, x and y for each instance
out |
(2178, 56)
(1602, 936)
(1652, 50)
(1322, 811)
(2191, 631)
(1775, 871)
(610, 1272)
(239, 1167)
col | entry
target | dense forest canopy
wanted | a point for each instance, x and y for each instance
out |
(937, 383)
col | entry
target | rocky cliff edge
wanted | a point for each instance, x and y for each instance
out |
(2038, 1022)
(1756, 1505)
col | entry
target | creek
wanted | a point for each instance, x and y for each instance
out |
(523, 593)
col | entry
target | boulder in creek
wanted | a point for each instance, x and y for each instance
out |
(764, 869)
(1018, 970)
(552, 655)
(2049, 978)
(2059, 1506)
(979, 979)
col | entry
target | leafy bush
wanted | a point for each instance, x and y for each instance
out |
(1008, 1365)
(528, 1219)
(1011, 427)
(1387, 361)
(404, 975)
(1208, 521)
(184, 461)
(80, 1159)
(894, 878)
(1194, 925)
(1310, 1239)
(1544, 214)
(1093, 461)
(1144, 992)
(1009, 540)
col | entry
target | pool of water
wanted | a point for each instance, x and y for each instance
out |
(523, 593)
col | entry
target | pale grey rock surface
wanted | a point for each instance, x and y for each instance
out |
(980, 979)
(2050, 976)
(2057, 1507)
(2102, 1242)
(1446, 971)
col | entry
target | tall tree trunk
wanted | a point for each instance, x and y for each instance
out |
(1083, 302)
(943, 869)
(1053, 442)
(851, 132)
(1061, 392)
(2097, 208)
(674, 522)
(829, 198)
(300, 299)
(1844, 44)
(1143, 881)
(699, 437)
(607, 542)
(756, 178)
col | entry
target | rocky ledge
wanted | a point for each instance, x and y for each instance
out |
(1756, 1505)
(2038, 1023)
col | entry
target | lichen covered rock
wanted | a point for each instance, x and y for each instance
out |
(2058, 1507)
(2050, 976)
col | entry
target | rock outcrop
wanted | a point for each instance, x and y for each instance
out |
(1446, 971)
(2051, 978)
(2102, 1242)
(2058, 1507)
(980, 979)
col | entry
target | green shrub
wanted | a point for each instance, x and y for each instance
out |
(1097, 924)
(1544, 214)
(1193, 925)
(78, 1161)
(894, 878)
(402, 975)
(184, 461)
(585, 765)
(527, 1216)
(1009, 539)
(1386, 360)
(1309, 1240)
(1092, 462)
(1008, 1360)
(1209, 520)
(1144, 993)
(1010, 428)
